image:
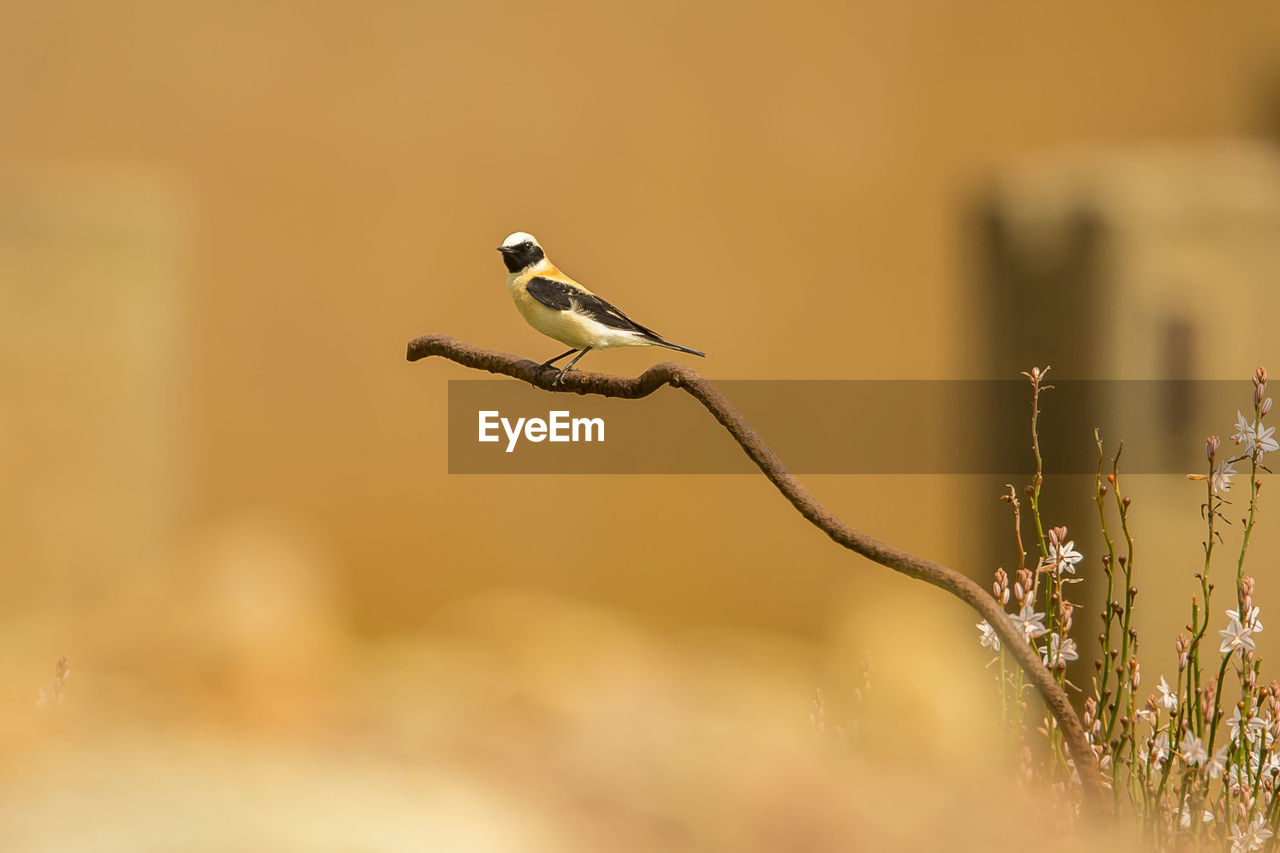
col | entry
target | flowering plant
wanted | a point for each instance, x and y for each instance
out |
(1195, 772)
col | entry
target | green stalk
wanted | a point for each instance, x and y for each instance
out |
(1248, 529)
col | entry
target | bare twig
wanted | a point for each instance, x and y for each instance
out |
(678, 376)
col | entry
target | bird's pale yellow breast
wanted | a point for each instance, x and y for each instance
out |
(567, 327)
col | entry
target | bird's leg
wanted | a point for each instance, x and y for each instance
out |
(552, 361)
(569, 366)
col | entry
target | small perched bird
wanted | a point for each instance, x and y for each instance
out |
(560, 308)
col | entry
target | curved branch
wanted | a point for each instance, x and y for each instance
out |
(678, 376)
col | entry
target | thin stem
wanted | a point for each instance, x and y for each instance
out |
(1109, 569)
(1217, 702)
(1198, 628)
(1248, 528)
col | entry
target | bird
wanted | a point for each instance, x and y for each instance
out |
(564, 310)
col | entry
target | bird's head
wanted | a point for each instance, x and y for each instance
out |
(520, 251)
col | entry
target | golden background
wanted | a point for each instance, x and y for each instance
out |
(226, 495)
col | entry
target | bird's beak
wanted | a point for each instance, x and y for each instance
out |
(504, 249)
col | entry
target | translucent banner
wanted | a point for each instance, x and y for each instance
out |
(844, 427)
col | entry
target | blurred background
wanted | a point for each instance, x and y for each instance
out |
(227, 499)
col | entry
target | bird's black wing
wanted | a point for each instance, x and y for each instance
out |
(563, 297)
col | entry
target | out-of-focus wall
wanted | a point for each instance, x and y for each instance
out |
(798, 173)
(1153, 262)
(93, 441)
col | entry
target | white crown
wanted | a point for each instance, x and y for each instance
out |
(517, 238)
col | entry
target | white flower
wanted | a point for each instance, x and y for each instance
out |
(1255, 437)
(1160, 751)
(1218, 763)
(1238, 778)
(1252, 728)
(1266, 444)
(1145, 715)
(1031, 623)
(1253, 838)
(988, 637)
(1222, 477)
(1064, 556)
(1059, 650)
(1257, 766)
(1233, 723)
(1193, 751)
(1244, 433)
(1185, 819)
(1236, 637)
(1251, 619)
(1168, 697)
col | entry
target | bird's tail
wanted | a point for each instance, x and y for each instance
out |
(656, 341)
